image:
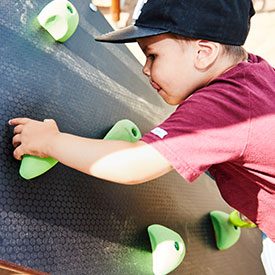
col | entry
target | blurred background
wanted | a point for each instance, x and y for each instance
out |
(260, 41)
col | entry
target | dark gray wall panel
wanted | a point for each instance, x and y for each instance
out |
(65, 222)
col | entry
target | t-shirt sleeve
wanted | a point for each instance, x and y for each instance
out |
(210, 127)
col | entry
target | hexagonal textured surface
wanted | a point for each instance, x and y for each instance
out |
(65, 222)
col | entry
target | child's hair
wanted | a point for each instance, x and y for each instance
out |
(236, 52)
(233, 51)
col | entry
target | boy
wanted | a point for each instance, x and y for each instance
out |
(225, 121)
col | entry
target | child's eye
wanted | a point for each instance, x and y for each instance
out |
(151, 56)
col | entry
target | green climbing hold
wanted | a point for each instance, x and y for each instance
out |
(124, 130)
(239, 220)
(60, 18)
(227, 234)
(32, 167)
(168, 249)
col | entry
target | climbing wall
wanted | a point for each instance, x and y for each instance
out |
(65, 222)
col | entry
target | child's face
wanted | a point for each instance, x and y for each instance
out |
(170, 66)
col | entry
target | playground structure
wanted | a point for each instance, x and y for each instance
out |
(65, 222)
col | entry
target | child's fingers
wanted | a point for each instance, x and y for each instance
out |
(18, 120)
(17, 153)
(18, 129)
(16, 140)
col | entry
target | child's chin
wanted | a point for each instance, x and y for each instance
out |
(170, 102)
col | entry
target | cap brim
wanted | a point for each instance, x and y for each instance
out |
(129, 34)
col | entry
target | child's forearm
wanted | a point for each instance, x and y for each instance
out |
(112, 160)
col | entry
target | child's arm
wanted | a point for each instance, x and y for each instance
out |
(113, 160)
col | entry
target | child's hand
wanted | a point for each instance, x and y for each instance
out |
(32, 137)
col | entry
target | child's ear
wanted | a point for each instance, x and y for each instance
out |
(206, 54)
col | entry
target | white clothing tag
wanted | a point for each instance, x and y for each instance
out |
(159, 132)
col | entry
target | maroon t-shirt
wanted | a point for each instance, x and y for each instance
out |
(228, 127)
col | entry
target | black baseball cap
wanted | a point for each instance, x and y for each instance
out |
(223, 21)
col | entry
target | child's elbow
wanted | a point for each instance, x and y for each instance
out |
(122, 175)
(130, 181)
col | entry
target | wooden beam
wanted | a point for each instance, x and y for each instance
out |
(115, 10)
(8, 268)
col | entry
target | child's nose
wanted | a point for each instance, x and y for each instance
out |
(146, 69)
